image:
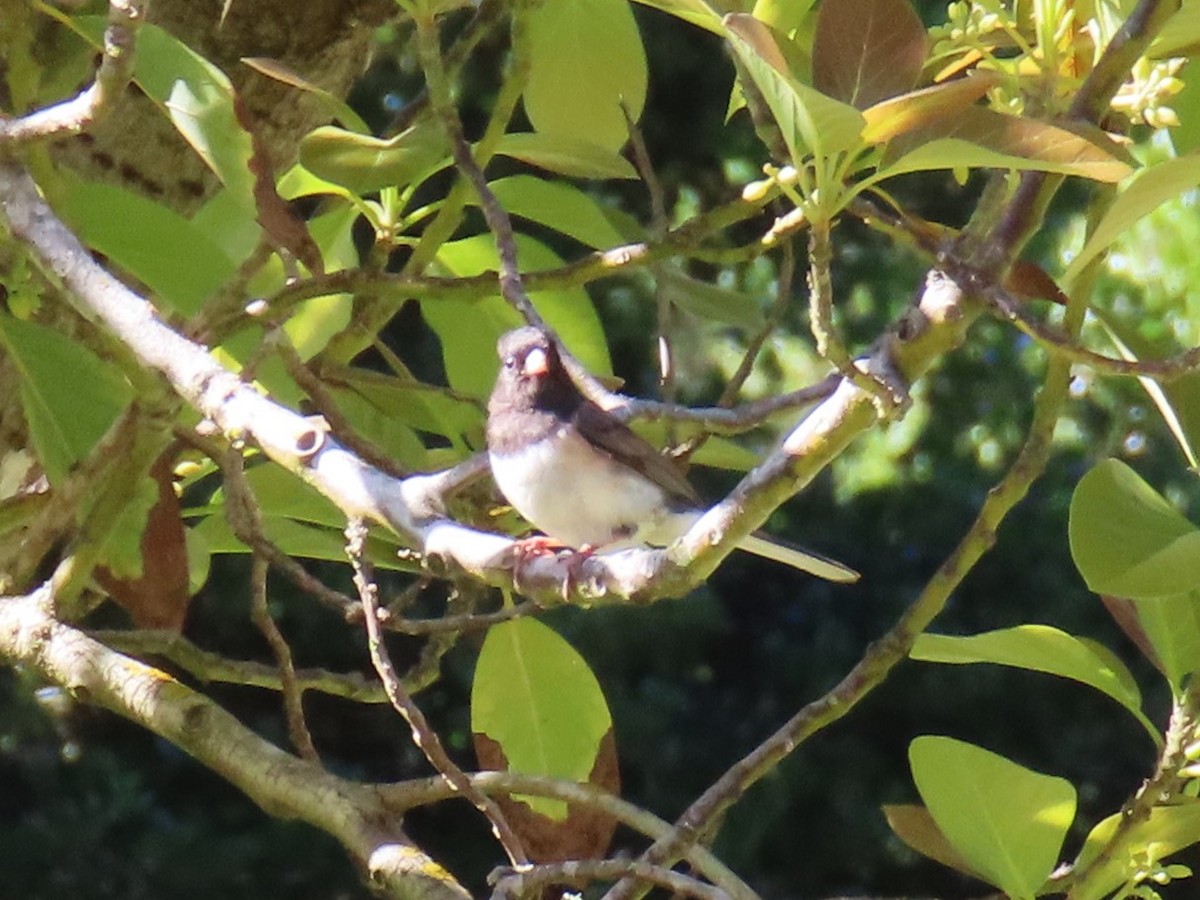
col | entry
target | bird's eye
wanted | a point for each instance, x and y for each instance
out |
(510, 362)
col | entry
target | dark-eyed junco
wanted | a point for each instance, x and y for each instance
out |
(580, 475)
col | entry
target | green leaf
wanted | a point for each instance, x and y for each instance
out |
(1147, 191)
(468, 329)
(364, 164)
(295, 539)
(1172, 625)
(423, 407)
(195, 95)
(1007, 822)
(982, 138)
(1126, 540)
(174, 257)
(1168, 830)
(1179, 35)
(696, 12)
(1040, 648)
(709, 301)
(560, 206)
(586, 59)
(865, 51)
(811, 122)
(565, 155)
(536, 697)
(69, 395)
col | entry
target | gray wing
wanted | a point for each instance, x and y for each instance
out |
(611, 435)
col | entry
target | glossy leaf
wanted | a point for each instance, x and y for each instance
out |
(365, 164)
(811, 123)
(1040, 648)
(195, 95)
(294, 538)
(468, 329)
(865, 51)
(536, 697)
(1145, 193)
(566, 155)
(1168, 829)
(907, 112)
(1006, 821)
(983, 138)
(174, 257)
(1126, 540)
(586, 60)
(560, 206)
(69, 395)
(421, 407)
(696, 12)
(1172, 626)
(1180, 34)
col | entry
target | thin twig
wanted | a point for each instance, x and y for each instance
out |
(511, 286)
(81, 112)
(245, 520)
(531, 881)
(411, 794)
(327, 405)
(423, 736)
(1159, 790)
(293, 705)
(212, 667)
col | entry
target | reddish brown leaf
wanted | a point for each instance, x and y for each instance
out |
(1031, 282)
(286, 229)
(917, 109)
(865, 51)
(915, 826)
(584, 834)
(1125, 614)
(159, 598)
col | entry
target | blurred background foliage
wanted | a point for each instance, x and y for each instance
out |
(91, 807)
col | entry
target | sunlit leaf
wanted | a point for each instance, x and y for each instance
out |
(866, 51)
(1040, 648)
(565, 155)
(196, 95)
(1167, 829)
(983, 138)
(537, 698)
(897, 115)
(69, 395)
(557, 205)
(177, 260)
(1127, 540)
(697, 12)
(811, 123)
(468, 329)
(1006, 821)
(364, 163)
(585, 59)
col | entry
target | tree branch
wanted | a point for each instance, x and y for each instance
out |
(84, 110)
(280, 783)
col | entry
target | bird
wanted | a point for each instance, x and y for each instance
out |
(585, 479)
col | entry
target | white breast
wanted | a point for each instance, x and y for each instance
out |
(578, 495)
